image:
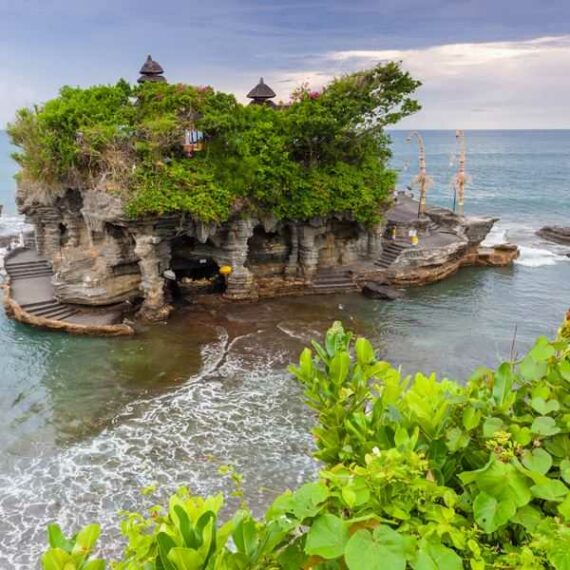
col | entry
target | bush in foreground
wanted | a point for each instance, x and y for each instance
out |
(417, 473)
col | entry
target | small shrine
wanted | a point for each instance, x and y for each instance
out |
(262, 94)
(151, 71)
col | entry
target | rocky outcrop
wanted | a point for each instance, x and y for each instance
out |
(499, 255)
(556, 234)
(378, 291)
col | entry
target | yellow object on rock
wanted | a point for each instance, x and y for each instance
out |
(225, 270)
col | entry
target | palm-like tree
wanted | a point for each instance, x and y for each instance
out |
(422, 180)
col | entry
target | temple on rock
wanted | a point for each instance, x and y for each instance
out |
(93, 260)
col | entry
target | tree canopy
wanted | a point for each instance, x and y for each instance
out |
(323, 153)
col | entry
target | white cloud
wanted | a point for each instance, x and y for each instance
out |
(516, 84)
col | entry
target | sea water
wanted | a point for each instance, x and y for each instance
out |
(86, 423)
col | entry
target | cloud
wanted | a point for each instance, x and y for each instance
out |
(506, 84)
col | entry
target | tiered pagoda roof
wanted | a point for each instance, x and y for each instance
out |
(151, 71)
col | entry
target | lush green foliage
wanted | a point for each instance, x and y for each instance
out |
(324, 153)
(418, 473)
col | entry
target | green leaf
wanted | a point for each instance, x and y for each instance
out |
(57, 559)
(503, 384)
(521, 435)
(306, 501)
(244, 536)
(456, 439)
(435, 556)
(471, 418)
(529, 517)
(542, 350)
(544, 408)
(384, 549)
(532, 369)
(544, 425)
(86, 538)
(538, 460)
(491, 514)
(364, 352)
(186, 558)
(327, 537)
(57, 539)
(339, 367)
(492, 425)
(552, 490)
(165, 545)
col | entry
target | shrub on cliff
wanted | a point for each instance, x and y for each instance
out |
(417, 473)
(322, 154)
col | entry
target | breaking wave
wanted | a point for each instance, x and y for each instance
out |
(233, 411)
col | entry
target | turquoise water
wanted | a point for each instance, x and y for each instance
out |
(85, 423)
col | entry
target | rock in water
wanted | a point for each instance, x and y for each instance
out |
(377, 291)
(557, 234)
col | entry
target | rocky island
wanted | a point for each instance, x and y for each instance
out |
(143, 195)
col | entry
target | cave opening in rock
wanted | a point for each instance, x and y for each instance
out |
(194, 266)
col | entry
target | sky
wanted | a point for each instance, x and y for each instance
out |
(484, 64)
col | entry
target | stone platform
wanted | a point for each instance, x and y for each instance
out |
(30, 298)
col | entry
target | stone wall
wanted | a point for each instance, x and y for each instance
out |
(100, 257)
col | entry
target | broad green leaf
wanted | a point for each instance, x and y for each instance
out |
(501, 481)
(492, 425)
(559, 554)
(521, 435)
(538, 460)
(244, 536)
(559, 446)
(503, 384)
(435, 556)
(532, 369)
(165, 545)
(339, 367)
(186, 558)
(456, 439)
(364, 352)
(56, 559)
(544, 425)
(544, 408)
(57, 539)
(471, 418)
(491, 514)
(542, 350)
(327, 537)
(553, 490)
(384, 549)
(529, 517)
(86, 538)
(306, 501)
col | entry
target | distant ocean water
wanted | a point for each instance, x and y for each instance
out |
(85, 423)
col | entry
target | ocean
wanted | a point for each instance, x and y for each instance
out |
(86, 423)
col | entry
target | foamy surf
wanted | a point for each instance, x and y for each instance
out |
(537, 257)
(232, 411)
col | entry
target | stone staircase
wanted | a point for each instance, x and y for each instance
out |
(333, 280)
(390, 253)
(29, 269)
(51, 309)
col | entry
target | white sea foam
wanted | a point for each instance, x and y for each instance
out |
(232, 410)
(537, 257)
(13, 225)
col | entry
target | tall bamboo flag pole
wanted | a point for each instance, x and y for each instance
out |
(460, 178)
(422, 180)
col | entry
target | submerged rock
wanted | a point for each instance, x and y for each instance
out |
(378, 291)
(557, 234)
